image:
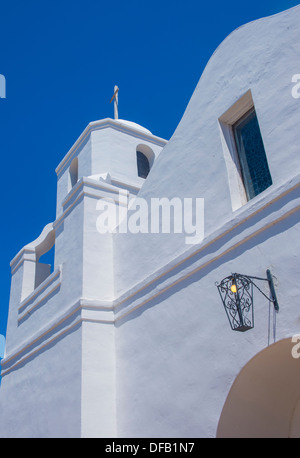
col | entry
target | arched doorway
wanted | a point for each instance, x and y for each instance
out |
(264, 400)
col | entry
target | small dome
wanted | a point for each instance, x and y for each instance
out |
(133, 125)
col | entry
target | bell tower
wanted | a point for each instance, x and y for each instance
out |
(59, 371)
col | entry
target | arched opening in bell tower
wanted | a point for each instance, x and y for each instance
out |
(145, 159)
(73, 173)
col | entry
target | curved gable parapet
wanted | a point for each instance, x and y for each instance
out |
(260, 56)
(251, 49)
(37, 247)
(252, 67)
(44, 242)
(260, 59)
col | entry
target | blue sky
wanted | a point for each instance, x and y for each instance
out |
(61, 60)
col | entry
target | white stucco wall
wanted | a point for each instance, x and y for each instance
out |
(177, 356)
(41, 397)
(114, 152)
(261, 57)
(128, 337)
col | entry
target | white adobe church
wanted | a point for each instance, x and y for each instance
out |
(127, 335)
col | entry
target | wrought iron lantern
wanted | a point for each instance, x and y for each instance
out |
(236, 292)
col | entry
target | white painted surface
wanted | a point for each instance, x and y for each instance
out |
(177, 356)
(261, 57)
(127, 337)
(69, 314)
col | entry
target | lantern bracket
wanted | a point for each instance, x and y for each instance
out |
(269, 279)
(236, 292)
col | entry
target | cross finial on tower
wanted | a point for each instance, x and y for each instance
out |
(115, 97)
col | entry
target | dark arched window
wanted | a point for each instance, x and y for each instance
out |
(73, 173)
(143, 165)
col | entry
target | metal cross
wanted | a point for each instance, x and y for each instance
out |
(116, 102)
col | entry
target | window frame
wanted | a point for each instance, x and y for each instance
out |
(248, 183)
(229, 118)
